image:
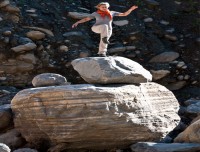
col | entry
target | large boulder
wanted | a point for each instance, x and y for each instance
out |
(111, 70)
(95, 117)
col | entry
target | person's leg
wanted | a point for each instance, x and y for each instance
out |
(104, 32)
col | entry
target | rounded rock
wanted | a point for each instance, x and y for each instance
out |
(48, 79)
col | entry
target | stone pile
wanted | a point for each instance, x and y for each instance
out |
(125, 110)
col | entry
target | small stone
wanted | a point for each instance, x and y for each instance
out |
(176, 85)
(147, 20)
(165, 57)
(194, 82)
(4, 3)
(6, 40)
(128, 48)
(117, 49)
(48, 79)
(31, 10)
(184, 67)
(159, 74)
(170, 30)
(25, 150)
(180, 64)
(164, 22)
(180, 77)
(171, 37)
(121, 23)
(77, 15)
(1, 19)
(64, 48)
(177, 2)
(186, 77)
(3, 78)
(11, 9)
(25, 47)
(7, 33)
(35, 35)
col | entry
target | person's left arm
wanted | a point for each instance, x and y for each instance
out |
(127, 12)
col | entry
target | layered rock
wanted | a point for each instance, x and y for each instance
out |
(95, 117)
(111, 70)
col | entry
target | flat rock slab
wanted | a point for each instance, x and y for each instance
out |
(165, 147)
(95, 117)
(107, 70)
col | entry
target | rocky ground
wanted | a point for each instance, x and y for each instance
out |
(163, 36)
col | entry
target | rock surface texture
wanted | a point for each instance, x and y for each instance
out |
(95, 117)
(163, 147)
(191, 134)
(48, 79)
(111, 70)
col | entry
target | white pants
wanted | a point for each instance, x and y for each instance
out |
(104, 32)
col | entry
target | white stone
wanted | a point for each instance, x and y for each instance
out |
(105, 70)
(121, 23)
(147, 20)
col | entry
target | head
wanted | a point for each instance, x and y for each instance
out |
(103, 6)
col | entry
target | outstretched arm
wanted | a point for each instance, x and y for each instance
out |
(81, 21)
(128, 12)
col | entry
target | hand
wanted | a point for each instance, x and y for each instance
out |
(134, 7)
(75, 25)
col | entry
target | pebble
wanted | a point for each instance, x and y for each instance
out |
(3, 78)
(186, 77)
(1, 19)
(64, 48)
(170, 30)
(177, 2)
(180, 64)
(164, 22)
(171, 37)
(149, 19)
(180, 77)
(7, 33)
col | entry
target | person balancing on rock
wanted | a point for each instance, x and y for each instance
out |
(103, 25)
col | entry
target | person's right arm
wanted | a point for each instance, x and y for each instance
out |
(81, 21)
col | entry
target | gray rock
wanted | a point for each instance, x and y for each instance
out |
(4, 3)
(95, 117)
(165, 57)
(191, 101)
(149, 19)
(29, 58)
(35, 35)
(171, 37)
(25, 47)
(5, 116)
(164, 147)
(111, 70)
(77, 15)
(12, 138)
(117, 49)
(4, 148)
(176, 85)
(48, 79)
(159, 74)
(25, 150)
(121, 23)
